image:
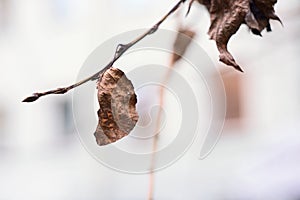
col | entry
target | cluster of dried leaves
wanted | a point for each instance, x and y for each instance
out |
(116, 96)
(228, 15)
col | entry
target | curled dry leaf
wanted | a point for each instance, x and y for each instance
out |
(259, 15)
(117, 113)
(228, 15)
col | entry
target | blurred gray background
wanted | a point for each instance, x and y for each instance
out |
(43, 44)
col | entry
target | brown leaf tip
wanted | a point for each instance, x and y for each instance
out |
(117, 114)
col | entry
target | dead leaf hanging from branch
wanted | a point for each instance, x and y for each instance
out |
(228, 15)
(117, 113)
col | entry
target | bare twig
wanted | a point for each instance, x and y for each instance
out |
(189, 8)
(179, 48)
(120, 50)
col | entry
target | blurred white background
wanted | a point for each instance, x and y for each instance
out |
(43, 44)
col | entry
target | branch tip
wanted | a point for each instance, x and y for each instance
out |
(32, 98)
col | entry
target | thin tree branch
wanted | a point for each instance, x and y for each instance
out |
(180, 46)
(120, 50)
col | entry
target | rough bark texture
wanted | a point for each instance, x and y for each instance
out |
(228, 15)
(117, 113)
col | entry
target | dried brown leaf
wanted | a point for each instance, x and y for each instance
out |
(228, 15)
(117, 113)
(226, 18)
(259, 15)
